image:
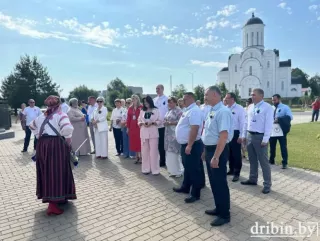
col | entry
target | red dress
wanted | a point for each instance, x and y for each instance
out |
(134, 129)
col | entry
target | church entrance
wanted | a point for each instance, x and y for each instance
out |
(247, 85)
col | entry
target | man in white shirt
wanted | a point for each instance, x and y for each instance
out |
(64, 107)
(31, 113)
(91, 108)
(161, 102)
(258, 132)
(239, 121)
(188, 135)
(115, 126)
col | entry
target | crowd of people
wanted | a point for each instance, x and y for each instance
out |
(177, 133)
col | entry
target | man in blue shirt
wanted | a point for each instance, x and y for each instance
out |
(188, 135)
(282, 113)
(218, 132)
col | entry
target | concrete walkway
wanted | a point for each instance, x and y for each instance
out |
(117, 202)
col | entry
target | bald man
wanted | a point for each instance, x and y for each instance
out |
(31, 113)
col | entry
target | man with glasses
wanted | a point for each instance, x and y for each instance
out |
(31, 113)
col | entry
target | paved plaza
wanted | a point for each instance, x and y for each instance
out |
(117, 202)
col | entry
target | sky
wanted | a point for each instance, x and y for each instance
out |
(143, 42)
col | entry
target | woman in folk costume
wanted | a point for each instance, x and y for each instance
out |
(80, 134)
(172, 147)
(101, 129)
(55, 183)
(133, 128)
(149, 134)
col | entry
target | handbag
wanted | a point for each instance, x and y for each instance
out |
(276, 130)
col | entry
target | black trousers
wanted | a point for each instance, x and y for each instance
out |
(218, 180)
(192, 169)
(27, 139)
(117, 133)
(315, 115)
(162, 152)
(283, 147)
(235, 158)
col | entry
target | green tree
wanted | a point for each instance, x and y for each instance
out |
(296, 72)
(179, 90)
(314, 83)
(237, 93)
(223, 89)
(82, 92)
(117, 90)
(199, 92)
(28, 80)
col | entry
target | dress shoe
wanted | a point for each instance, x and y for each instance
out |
(272, 162)
(191, 199)
(180, 190)
(284, 166)
(212, 212)
(146, 173)
(229, 173)
(94, 152)
(118, 154)
(235, 178)
(265, 190)
(24, 151)
(248, 182)
(219, 221)
(98, 157)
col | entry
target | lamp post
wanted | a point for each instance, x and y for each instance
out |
(192, 74)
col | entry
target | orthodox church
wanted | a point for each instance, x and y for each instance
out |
(256, 67)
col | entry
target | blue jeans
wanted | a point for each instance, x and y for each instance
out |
(126, 149)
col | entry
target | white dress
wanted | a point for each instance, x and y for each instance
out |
(101, 132)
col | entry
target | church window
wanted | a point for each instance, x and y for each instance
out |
(235, 68)
(250, 90)
(257, 38)
(250, 70)
(247, 40)
(262, 38)
(282, 85)
(252, 37)
(251, 55)
(268, 84)
(268, 64)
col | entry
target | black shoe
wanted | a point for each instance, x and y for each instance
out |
(219, 221)
(94, 152)
(229, 173)
(118, 154)
(180, 190)
(191, 199)
(265, 190)
(212, 212)
(248, 182)
(284, 166)
(272, 162)
(24, 150)
(235, 178)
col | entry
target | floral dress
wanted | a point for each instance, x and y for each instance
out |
(170, 142)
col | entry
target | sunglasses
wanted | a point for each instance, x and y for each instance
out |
(99, 101)
(128, 102)
(32, 102)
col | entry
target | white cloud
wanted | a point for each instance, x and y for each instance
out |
(224, 23)
(250, 10)
(235, 50)
(26, 27)
(284, 6)
(211, 25)
(227, 10)
(313, 7)
(208, 64)
(237, 25)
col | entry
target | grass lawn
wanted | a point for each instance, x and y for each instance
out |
(303, 146)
